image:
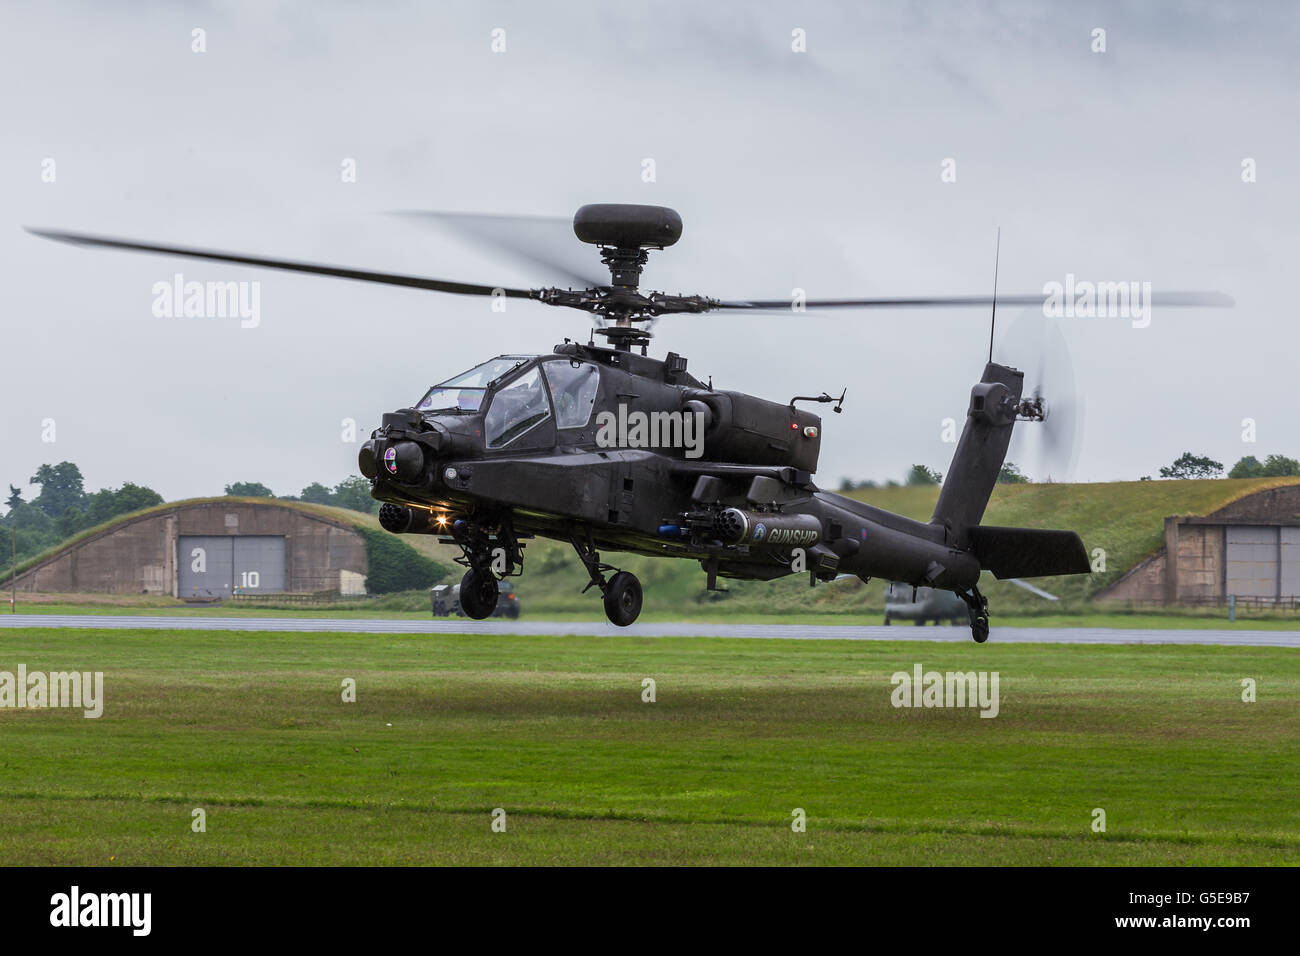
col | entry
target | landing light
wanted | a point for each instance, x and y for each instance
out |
(810, 431)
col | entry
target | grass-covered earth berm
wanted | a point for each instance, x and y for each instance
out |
(1125, 519)
(252, 728)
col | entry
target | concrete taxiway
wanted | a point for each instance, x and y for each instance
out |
(1005, 635)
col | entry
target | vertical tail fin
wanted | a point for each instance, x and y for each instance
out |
(980, 453)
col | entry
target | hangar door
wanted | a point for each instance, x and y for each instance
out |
(220, 565)
(1253, 558)
(1290, 570)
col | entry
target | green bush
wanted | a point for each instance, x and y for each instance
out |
(921, 475)
(396, 566)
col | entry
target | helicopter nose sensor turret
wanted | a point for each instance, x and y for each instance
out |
(403, 447)
(402, 460)
(366, 462)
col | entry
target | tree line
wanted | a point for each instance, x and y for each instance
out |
(1186, 466)
(1010, 474)
(351, 493)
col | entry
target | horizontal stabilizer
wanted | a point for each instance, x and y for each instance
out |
(1028, 552)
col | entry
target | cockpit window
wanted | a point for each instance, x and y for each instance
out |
(439, 399)
(464, 393)
(480, 375)
(517, 407)
(573, 391)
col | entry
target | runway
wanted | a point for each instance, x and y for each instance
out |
(814, 632)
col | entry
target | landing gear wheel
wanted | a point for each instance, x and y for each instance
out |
(623, 599)
(478, 594)
(978, 608)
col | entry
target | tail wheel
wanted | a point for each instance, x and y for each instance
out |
(623, 599)
(478, 594)
(978, 609)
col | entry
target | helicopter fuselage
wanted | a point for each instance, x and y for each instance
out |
(615, 451)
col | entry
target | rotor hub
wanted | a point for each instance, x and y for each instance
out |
(625, 265)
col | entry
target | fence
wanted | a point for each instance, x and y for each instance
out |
(1241, 602)
(320, 598)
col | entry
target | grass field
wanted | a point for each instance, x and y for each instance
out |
(252, 728)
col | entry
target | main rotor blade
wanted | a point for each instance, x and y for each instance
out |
(1032, 589)
(311, 268)
(1177, 299)
(546, 241)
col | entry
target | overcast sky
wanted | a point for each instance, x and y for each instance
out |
(819, 170)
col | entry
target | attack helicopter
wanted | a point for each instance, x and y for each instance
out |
(609, 449)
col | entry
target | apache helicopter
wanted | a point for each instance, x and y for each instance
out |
(570, 445)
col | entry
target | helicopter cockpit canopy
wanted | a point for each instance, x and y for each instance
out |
(516, 407)
(465, 392)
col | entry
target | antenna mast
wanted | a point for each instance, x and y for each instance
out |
(993, 319)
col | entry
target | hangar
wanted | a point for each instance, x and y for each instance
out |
(208, 549)
(1249, 549)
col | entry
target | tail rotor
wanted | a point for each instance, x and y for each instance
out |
(1046, 449)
